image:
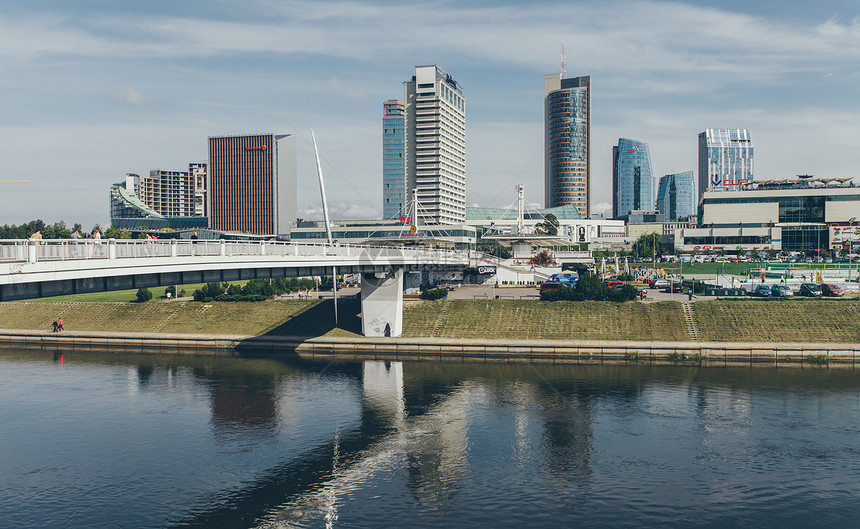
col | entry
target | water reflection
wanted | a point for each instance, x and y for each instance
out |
(285, 442)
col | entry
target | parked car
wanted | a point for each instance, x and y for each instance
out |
(763, 291)
(783, 291)
(673, 287)
(658, 283)
(615, 284)
(556, 281)
(831, 290)
(809, 289)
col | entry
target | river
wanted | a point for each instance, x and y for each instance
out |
(102, 440)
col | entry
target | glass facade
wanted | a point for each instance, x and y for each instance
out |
(632, 179)
(567, 136)
(393, 160)
(676, 196)
(725, 159)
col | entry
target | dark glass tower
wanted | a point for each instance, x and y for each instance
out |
(676, 196)
(632, 179)
(393, 160)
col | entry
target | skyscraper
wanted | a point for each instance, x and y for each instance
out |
(436, 145)
(676, 196)
(567, 142)
(393, 159)
(725, 159)
(252, 183)
(632, 180)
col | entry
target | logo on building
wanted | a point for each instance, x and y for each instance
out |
(634, 148)
(261, 148)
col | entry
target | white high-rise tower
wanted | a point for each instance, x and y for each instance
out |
(436, 145)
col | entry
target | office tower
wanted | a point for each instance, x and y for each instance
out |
(676, 196)
(436, 145)
(632, 180)
(175, 193)
(725, 159)
(393, 159)
(567, 142)
(252, 183)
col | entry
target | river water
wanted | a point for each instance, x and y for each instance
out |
(101, 440)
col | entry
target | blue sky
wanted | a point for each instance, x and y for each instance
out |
(91, 90)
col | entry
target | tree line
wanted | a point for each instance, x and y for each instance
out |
(58, 230)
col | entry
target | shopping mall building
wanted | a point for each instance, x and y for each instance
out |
(802, 214)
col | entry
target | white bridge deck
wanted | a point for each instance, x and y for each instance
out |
(40, 268)
(26, 261)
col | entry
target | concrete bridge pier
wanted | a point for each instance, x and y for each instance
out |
(382, 302)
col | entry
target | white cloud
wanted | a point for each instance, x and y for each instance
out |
(600, 208)
(339, 210)
(130, 95)
(353, 91)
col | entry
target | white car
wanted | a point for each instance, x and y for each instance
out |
(781, 291)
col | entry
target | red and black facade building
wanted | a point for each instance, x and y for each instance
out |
(252, 183)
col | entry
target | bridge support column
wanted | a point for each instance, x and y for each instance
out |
(382, 303)
(31, 251)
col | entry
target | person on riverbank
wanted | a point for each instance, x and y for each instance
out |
(59, 324)
(55, 324)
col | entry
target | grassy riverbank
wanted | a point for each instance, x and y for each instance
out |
(802, 320)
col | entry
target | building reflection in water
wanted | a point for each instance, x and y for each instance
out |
(244, 404)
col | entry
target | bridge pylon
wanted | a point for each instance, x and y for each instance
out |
(382, 302)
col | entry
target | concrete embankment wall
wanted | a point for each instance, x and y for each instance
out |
(713, 354)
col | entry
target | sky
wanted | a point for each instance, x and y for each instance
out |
(93, 89)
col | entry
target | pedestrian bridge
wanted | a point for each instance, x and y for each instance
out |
(41, 268)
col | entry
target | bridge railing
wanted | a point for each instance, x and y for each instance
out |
(30, 250)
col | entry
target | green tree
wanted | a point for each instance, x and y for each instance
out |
(116, 233)
(647, 245)
(493, 248)
(144, 294)
(549, 226)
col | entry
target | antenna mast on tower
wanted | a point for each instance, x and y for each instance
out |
(563, 60)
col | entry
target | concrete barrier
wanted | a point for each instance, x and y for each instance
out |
(705, 354)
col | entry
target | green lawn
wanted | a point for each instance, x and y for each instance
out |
(742, 320)
(704, 268)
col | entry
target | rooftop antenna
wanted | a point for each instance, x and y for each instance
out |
(563, 61)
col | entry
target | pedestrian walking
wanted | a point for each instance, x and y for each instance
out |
(60, 325)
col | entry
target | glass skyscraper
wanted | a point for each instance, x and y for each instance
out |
(567, 142)
(725, 159)
(676, 196)
(393, 160)
(632, 180)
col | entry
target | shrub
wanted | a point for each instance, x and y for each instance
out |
(170, 290)
(434, 293)
(209, 291)
(625, 293)
(143, 294)
(817, 360)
